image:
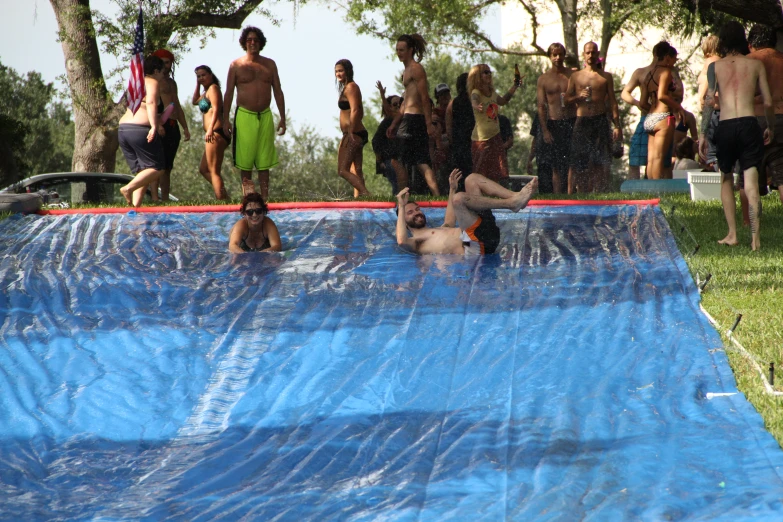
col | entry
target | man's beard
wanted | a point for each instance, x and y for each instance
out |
(419, 221)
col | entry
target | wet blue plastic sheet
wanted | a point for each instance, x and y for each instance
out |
(147, 374)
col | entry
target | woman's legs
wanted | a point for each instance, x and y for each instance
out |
(134, 191)
(213, 157)
(357, 168)
(345, 157)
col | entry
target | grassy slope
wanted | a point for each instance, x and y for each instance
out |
(742, 282)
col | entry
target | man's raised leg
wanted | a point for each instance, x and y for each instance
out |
(493, 196)
(729, 208)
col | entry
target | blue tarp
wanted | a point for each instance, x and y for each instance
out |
(146, 373)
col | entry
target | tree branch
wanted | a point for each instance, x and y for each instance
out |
(225, 21)
(534, 20)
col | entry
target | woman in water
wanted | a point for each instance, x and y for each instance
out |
(355, 137)
(489, 155)
(659, 87)
(210, 103)
(255, 232)
(140, 135)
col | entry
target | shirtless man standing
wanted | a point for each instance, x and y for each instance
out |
(738, 136)
(255, 78)
(555, 116)
(709, 48)
(591, 154)
(637, 156)
(762, 40)
(171, 138)
(476, 232)
(415, 117)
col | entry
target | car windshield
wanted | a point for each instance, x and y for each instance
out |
(92, 190)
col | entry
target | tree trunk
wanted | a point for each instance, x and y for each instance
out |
(95, 115)
(568, 19)
(606, 28)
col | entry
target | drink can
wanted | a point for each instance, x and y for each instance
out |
(589, 94)
(562, 100)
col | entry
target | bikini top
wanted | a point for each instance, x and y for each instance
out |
(244, 246)
(344, 105)
(672, 85)
(204, 105)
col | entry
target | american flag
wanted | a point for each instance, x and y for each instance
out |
(136, 90)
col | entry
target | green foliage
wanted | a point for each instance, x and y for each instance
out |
(172, 25)
(36, 128)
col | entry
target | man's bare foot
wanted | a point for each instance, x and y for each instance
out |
(522, 198)
(127, 194)
(729, 241)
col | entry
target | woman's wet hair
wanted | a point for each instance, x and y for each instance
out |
(709, 45)
(206, 68)
(253, 197)
(462, 83)
(415, 42)
(348, 68)
(662, 49)
(250, 29)
(762, 37)
(684, 148)
(732, 39)
(152, 64)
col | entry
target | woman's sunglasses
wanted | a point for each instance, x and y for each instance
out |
(254, 212)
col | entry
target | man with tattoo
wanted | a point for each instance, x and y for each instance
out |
(762, 40)
(415, 117)
(591, 154)
(556, 118)
(475, 233)
(738, 136)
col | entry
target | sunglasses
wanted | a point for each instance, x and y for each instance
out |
(254, 212)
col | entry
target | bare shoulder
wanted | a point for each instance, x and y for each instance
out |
(416, 70)
(268, 62)
(352, 88)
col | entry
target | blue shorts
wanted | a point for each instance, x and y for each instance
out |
(637, 157)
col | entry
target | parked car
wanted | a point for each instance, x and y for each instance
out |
(67, 188)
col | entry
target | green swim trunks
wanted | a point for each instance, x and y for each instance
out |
(254, 140)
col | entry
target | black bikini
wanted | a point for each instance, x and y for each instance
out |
(244, 246)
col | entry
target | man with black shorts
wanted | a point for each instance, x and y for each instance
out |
(413, 126)
(762, 40)
(556, 118)
(591, 142)
(476, 232)
(739, 136)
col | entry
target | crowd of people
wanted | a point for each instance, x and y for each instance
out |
(429, 143)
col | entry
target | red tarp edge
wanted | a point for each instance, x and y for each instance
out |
(313, 205)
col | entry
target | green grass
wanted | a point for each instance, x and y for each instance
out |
(743, 282)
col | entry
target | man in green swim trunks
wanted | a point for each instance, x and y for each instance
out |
(255, 78)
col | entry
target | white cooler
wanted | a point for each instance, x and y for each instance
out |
(705, 186)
